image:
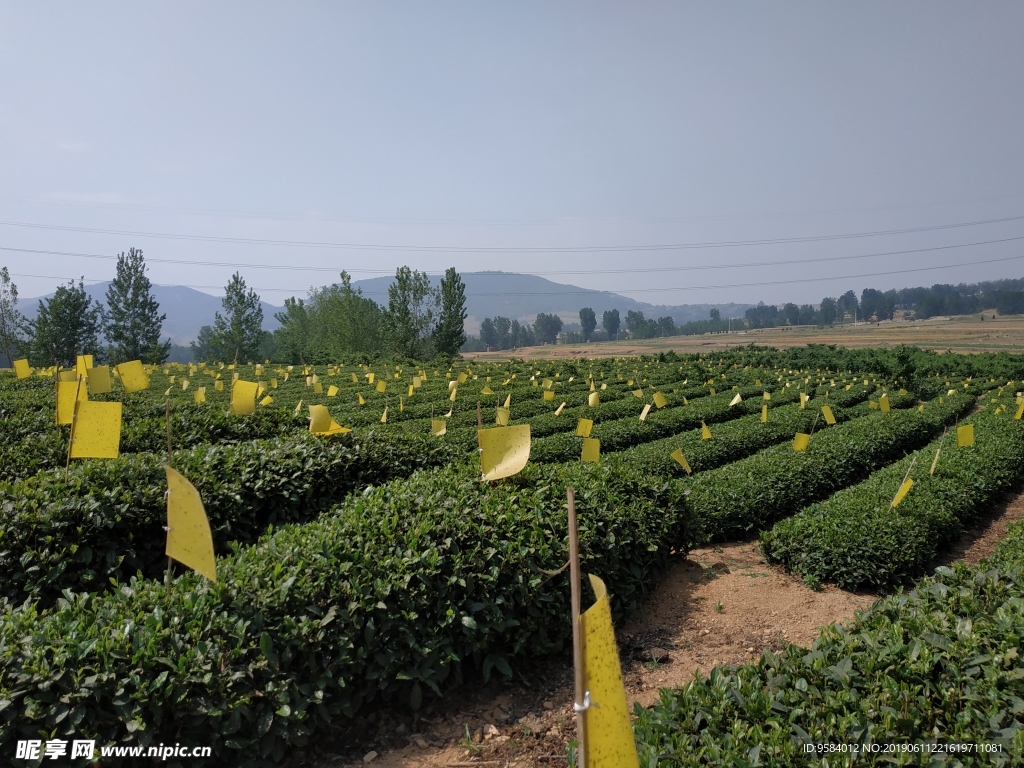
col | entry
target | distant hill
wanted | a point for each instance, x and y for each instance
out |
(488, 294)
(187, 309)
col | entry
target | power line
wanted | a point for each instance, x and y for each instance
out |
(689, 268)
(507, 249)
(630, 291)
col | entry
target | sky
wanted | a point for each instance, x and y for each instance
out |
(636, 148)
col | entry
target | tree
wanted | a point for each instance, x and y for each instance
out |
(792, 313)
(133, 325)
(208, 347)
(239, 332)
(488, 335)
(12, 322)
(589, 322)
(848, 304)
(293, 335)
(67, 325)
(828, 311)
(342, 321)
(547, 327)
(410, 316)
(715, 314)
(666, 326)
(450, 333)
(610, 322)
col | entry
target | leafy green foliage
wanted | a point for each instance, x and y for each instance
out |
(133, 324)
(940, 665)
(394, 596)
(856, 540)
(67, 325)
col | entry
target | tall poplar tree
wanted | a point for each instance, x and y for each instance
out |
(240, 330)
(450, 333)
(12, 322)
(133, 323)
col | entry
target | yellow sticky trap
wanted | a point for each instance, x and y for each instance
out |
(133, 377)
(266, 400)
(609, 731)
(200, 395)
(685, 401)
(486, 391)
(826, 411)
(318, 388)
(381, 385)
(99, 380)
(417, 382)
(453, 394)
(462, 378)
(360, 399)
(438, 427)
(629, 383)
(547, 383)
(96, 430)
(848, 386)
(736, 400)
(713, 391)
(558, 410)
(184, 384)
(298, 407)
(965, 436)
(384, 416)
(764, 413)
(508, 401)
(935, 461)
(401, 405)
(872, 405)
(332, 391)
(921, 408)
(1020, 411)
(705, 433)
(549, 395)
(370, 377)
(170, 379)
(638, 393)
(321, 423)
(644, 412)
(189, 540)
(67, 392)
(82, 365)
(604, 387)
(273, 383)
(677, 454)
(502, 416)
(583, 427)
(591, 450)
(593, 400)
(659, 400)
(903, 393)
(801, 441)
(22, 369)
(355, 379)
(951, 392)
(883, 403)
(903, 491)
(504, 451)
(243, 397)
(803, 399)
(411, 390)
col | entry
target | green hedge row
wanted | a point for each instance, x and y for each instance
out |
(749, 495)
(939, 666)
(855, 540)
(104, 519)
(737, 439)
(394, 596)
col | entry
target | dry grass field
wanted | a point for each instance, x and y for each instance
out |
(962, 334)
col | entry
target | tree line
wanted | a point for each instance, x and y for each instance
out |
(70, 323)
(418, 322)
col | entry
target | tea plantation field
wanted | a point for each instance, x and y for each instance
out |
(376, 569)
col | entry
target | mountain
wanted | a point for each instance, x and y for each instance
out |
(488, 294)
(187, 309)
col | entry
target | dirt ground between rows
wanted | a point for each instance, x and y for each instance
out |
(719, 605)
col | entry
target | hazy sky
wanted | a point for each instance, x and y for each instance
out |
(538, 126)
